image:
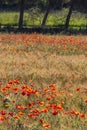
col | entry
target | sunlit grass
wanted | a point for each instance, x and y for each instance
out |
(54, 18)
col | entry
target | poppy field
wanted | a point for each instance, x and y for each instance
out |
(43, 82)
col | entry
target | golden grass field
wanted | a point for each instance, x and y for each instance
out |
(44, 79)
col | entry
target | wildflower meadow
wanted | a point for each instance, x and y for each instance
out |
(43, 82)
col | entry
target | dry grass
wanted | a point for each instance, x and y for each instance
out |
(40, 64)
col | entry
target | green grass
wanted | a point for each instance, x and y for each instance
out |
(54, 18)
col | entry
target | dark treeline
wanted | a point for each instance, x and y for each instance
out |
(45, 6)
(40, 3)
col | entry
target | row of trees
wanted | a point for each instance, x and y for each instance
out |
(49, 5)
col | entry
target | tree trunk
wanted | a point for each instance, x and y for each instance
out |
(46, 15)
(69, 14)
(21, 13)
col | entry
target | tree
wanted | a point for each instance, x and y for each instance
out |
(69, 14)
(51, 3)
(46, 14)
(22, 2)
